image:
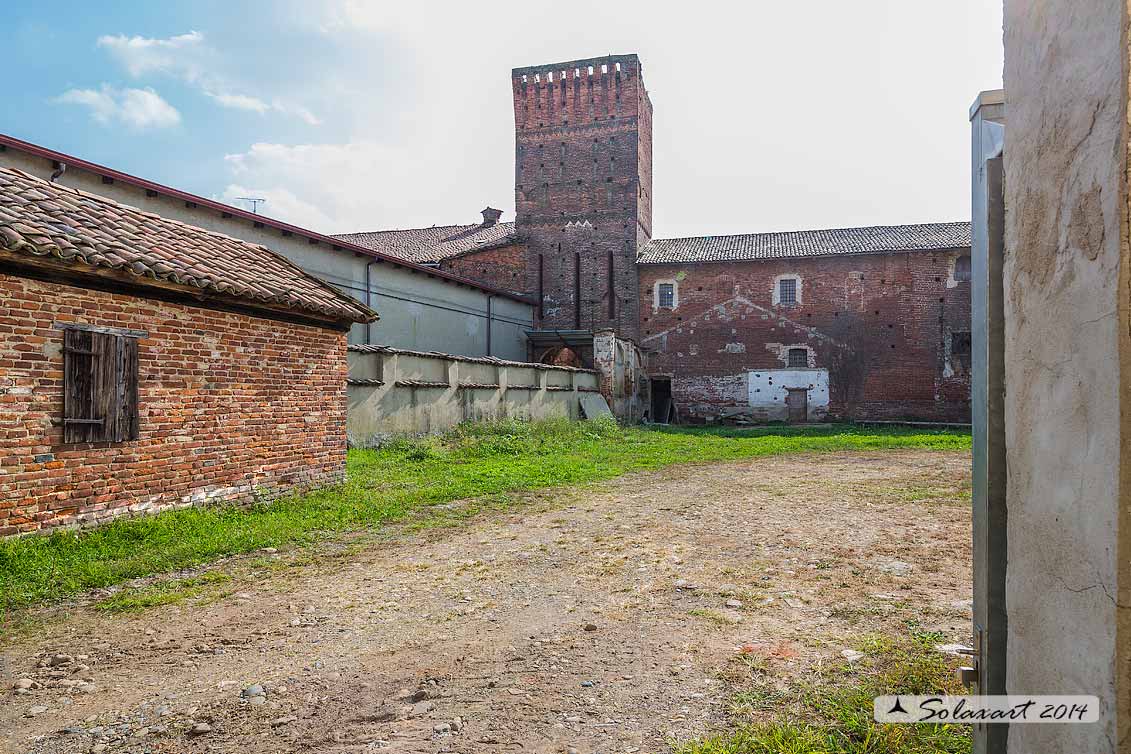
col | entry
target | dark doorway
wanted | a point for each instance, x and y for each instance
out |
(797, 401)
(663, 410)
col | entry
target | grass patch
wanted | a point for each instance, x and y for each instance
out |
(713, 616)
(164, 593)
(483, 461)
(832, 713)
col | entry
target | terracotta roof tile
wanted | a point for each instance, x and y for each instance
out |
(431, 245)
(38, 218)
(806, 243)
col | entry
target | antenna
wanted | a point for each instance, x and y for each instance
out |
(254, 201)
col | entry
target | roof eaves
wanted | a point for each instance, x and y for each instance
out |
(643, 259)
(10, 141)
(349, 309)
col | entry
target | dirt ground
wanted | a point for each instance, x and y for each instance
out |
(589, 620)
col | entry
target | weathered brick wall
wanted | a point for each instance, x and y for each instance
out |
(231, 406)
(503, 267)
(880, 323)
(583, 185)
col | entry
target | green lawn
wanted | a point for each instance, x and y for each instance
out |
(831, 712)
(473, 461)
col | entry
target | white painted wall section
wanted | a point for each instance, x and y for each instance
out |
(767, 391)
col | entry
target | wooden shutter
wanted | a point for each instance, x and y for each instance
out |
(80, 423)
(128, 423)
(100, 402)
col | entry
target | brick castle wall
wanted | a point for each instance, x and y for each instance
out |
(583, 184)
(880, 323)
(502, 267)
(231, 406)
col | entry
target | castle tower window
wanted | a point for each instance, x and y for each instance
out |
(962, 268)
(960, 350)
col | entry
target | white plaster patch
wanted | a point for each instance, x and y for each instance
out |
(767, 390)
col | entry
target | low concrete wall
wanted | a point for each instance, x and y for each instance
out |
(394, 391)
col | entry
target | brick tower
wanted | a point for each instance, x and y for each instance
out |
(583, 188)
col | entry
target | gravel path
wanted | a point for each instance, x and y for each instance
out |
(597, 619)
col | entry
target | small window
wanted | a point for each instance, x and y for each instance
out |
(787, 291)
(798, 358)
(100, 376)
(960, 350)
(665, 295)
(962, 268)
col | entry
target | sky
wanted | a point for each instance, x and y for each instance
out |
(350, 115)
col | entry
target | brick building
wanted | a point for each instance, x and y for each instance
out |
(856, 323)
(147, 364)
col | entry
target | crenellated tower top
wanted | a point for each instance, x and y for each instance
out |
(583, 159)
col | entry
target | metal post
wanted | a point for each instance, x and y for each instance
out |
(987, 314)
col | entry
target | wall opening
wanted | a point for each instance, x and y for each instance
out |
(663, 410)
(960, 351)
(962, 268)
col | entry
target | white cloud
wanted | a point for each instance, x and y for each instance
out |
(280, 204)
(256, 105)
(324, 187)
(337, 188)
(137, 108)
(181, 55)
(239, 102)
(298, 111)
(736, 149)
(188, 57)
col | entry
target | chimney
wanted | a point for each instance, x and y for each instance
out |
(490, 217)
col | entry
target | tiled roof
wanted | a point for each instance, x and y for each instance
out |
(38, 218)
(430, 245)
(806, 243)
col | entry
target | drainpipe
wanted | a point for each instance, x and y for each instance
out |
(490, 296)
(368, 300)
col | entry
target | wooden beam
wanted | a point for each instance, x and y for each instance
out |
(124, 332)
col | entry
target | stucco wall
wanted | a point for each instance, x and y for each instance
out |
(417, 311)
(396, 392)
(1066, 334)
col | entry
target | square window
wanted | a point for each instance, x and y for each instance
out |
(665, 295)
(798, 358)
(787, 291)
